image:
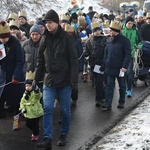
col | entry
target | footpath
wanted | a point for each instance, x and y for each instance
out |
(132, 133)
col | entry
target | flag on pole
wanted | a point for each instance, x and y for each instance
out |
(16, 122)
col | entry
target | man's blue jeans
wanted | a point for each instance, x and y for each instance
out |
(49, 95)
(110, 84)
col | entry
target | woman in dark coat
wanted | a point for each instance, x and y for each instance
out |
(12, 66)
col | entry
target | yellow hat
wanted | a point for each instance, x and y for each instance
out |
(12, 16)
(148, 15)
(81, 20)
(4, 30)
(64, 18)
(116, 26)
(14, 23)
(95, 25)
(69, 28)
(22, 14)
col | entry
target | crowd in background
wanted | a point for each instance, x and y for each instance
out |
(47, 55)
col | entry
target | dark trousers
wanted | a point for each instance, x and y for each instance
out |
(33, 125)
(99, 82)
(110, 89)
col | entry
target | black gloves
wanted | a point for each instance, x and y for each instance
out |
(102, 68)
(26, 95)
(35, 87)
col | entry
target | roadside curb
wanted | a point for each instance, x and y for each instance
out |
(91, 143)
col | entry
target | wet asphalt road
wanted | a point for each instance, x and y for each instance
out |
(88, 121)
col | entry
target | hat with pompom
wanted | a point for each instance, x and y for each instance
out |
(140, 13)
(4, 30)
(83, 35)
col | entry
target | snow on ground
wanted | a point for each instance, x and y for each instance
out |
(132, 133)
(60, 6)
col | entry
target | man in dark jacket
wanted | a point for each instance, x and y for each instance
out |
(57, 58)
(95, 50)
(145, 32)
(117, 56)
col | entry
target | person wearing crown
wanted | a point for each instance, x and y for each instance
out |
(31, 107)
(12, 65)
(24, 25)
(94, 49)
(117, 56)
(15, 31)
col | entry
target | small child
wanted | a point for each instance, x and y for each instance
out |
(32, 109)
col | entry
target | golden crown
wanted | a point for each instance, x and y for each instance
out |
(148, 15)
(14, 23)
(31, 22)
(81, 20)
(22, 13)
(105, 25)
(64, 17)
(79, 13)
(96, 15)
(30, 75)
(4, 28)
(12, 16)
(95, 25)
(69, 28)
(116, 25)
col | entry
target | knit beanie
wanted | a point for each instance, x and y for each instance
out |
(83, 35)
(28, 81)
(129, 18)
(51, 15)
(74, 16)
(140, 13)
(35, 28)
(40, 22)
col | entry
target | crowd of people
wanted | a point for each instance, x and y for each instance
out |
(41, 62)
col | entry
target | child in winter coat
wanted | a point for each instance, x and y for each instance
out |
(32, 109)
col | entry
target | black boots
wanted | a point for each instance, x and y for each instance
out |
(46, 143)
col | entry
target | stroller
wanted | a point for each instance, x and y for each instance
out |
(141, 69)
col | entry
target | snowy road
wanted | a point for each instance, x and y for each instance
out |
(132, 133)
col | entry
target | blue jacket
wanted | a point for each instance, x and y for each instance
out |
(117, 55)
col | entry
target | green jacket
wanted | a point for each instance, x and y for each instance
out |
(32, 106)
(134, 37)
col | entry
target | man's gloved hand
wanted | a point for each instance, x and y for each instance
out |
(26, 95)
(102, 68)
(23, 111)
(14, 81)
(36, 90)
(74, 86)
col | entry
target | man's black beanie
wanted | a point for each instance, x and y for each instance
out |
(51, 15)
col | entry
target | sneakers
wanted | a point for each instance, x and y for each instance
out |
(34, 138)
(105, 106)
(62, 140)
(129, 93)
(120, 105)
(46, 143)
